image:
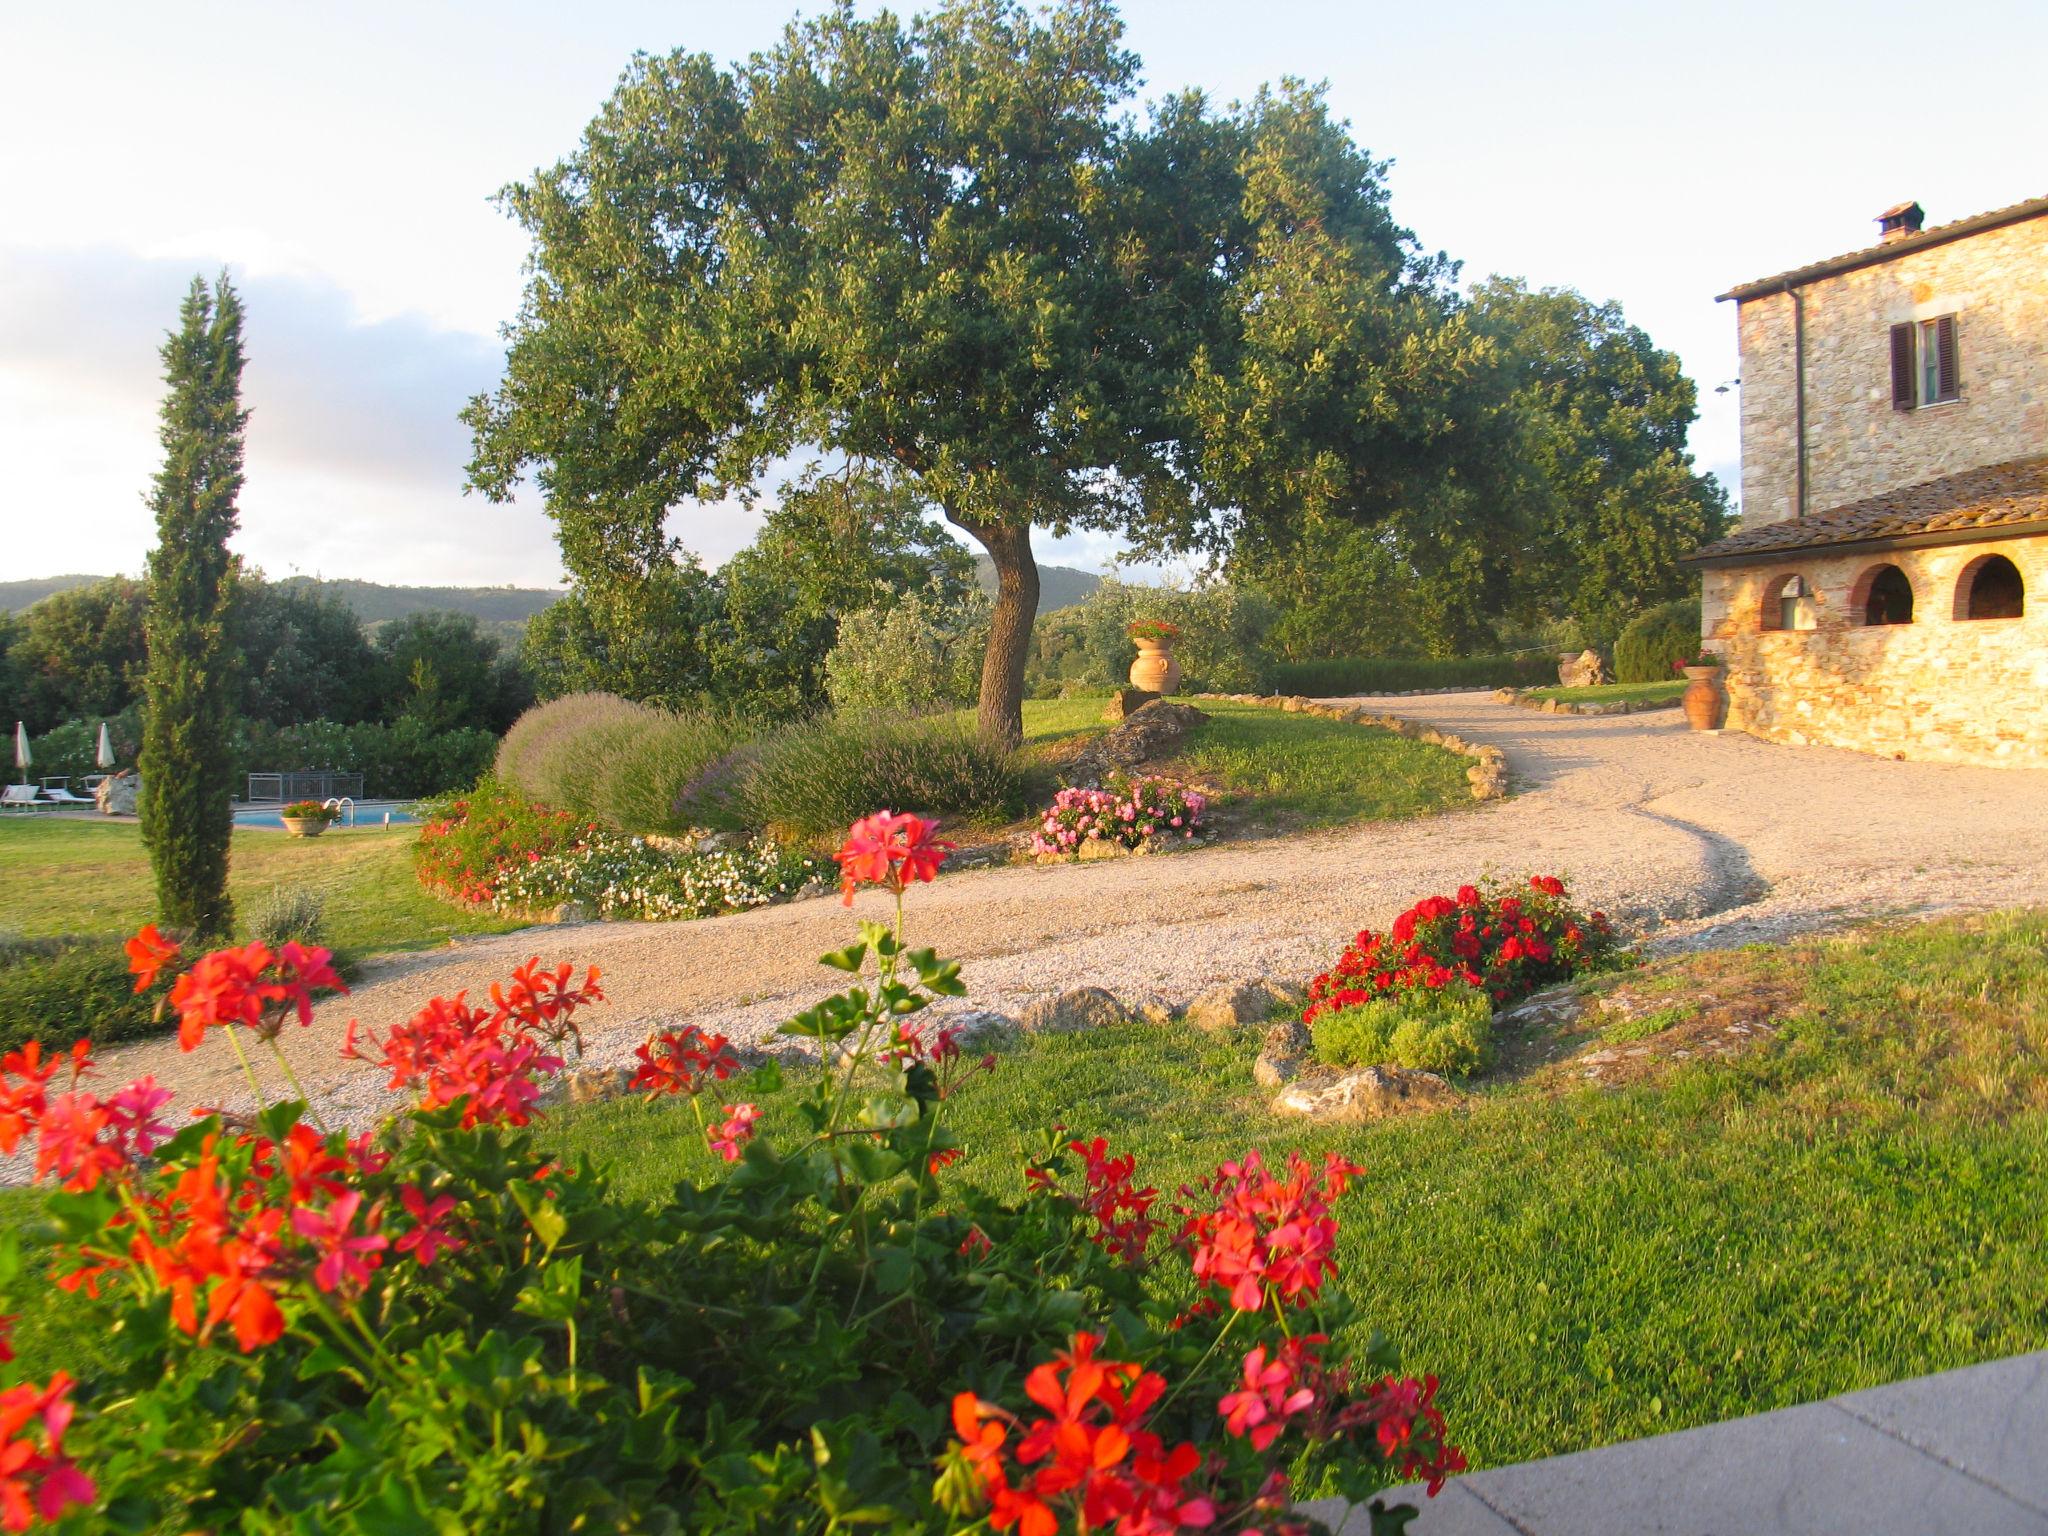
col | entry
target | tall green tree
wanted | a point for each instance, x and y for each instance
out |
(191, 678)
(1605, 484)
(81, 653)
(943, 246)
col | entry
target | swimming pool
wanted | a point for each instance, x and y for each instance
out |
(368, 813)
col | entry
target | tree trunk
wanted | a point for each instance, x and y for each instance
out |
(1009, 634)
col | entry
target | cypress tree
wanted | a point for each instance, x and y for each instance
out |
(189, 683)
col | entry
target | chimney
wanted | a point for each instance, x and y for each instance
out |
(1899, 222)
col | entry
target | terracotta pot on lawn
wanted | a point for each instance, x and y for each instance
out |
(1155, 670)
(1705, 705)
(304, 826)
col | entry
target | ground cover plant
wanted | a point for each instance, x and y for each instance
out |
(1853, 1201)
(1126, 812)
(60, 876)
(440, 1325)
(1447, 1030)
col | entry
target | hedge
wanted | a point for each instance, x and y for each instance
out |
(1404, 674)
(1656, 640)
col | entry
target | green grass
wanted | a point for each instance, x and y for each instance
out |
(1615, 693)
(60, 876)
(1286, 771)
(1856, 1203)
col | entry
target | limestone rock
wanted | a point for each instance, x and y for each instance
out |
(592, 1085)
(1231, 1004)
(1154, 1012)
(117, 796)
(1152, 731)
(1285, 1056)
(983, 1029)
(1552, 1006)
(1076, 1009)
(572, 912)
(1363, 1093)
(1126, 702)
(1585, 670)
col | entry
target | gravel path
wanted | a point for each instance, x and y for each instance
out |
(1700, 840)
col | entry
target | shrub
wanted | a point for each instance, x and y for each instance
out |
(813, 778)
(1377, 674)
(1446, 1029)
(1656, 640)
(467, 842)
(1127, 812)
(1508, 941)
(1219, 634)
(312, 1331)
(289, 914)
(402, 761)
(656, 782)
(915, 654)
(629, 766)
(82, 980)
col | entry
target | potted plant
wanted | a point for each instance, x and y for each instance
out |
(308, 818)
(1706, 706)
(1155, 670)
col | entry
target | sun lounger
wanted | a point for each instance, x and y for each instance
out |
(23, 798)
(65, 797)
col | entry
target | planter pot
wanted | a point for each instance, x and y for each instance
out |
(1155, 670)
(1705, 705)
(305, 826)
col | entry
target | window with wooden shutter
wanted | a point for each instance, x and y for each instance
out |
(1905, 391)
(1947, 380)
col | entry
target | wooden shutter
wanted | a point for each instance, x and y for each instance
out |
(1904, 393)
(1945, 357)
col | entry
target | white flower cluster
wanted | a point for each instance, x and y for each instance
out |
(627, 878)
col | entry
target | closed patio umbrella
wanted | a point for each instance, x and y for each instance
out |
(21, 753)
(104, 757)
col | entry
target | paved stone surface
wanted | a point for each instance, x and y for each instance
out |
(1658, 825)
(1964, 1453)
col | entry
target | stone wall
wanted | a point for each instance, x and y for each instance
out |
(1941, 688)
(1995, 283)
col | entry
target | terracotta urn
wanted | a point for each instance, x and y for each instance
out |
(1155, 670)
(1705, 705)
(304, 826)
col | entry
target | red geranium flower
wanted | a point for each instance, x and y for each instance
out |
(148, 953)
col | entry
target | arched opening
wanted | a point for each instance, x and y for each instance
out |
(1887, 596)
(1788, 603)
(1990, 587)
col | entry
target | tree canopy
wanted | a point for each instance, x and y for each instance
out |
(944, 247)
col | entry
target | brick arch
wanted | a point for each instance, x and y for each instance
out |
(1882, 595)
(1990, 587)
(1771, 613)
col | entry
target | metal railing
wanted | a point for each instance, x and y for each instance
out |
(276, 788)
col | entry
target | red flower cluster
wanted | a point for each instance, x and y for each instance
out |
(487, 1059)
(1123, 1223)
(1260, 1236)
(79, 1137)
(254, 986)
(682, 1061)
(465, 853)
(1090, 1449)
(890, 851)
(1272, 1392)
(36, 1478)
(1508, 943)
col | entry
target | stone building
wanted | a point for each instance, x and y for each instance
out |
(1887, 588)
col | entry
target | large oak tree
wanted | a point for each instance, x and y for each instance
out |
(945, 250)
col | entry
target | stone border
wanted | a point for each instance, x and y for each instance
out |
(1488, 774)
(1564, 707)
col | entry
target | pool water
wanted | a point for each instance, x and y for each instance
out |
(368, 813)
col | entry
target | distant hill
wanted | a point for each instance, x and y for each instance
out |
(17, 595)
(1059, 586)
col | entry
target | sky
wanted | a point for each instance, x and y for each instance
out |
(340, 162)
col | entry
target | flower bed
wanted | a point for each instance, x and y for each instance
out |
(496, 848)
(433, 1326)
(1505, 940)
(1126, 812)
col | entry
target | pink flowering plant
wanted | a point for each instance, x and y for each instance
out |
(1127, 812)
(435, 1325)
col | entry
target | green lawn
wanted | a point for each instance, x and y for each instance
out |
(60, 876)
(1615, 693)
(1857, 1203)
(1286, 771)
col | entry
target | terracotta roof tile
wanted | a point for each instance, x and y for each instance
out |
(1991, 497)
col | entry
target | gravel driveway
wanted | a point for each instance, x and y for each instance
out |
(1696, 839)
